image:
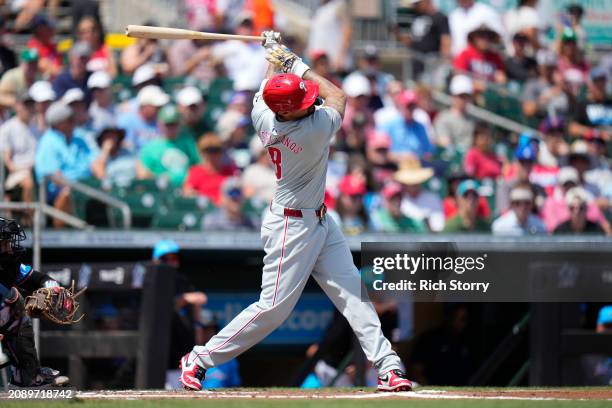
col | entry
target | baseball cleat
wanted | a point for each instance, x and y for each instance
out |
(395, 381)
(191, 374)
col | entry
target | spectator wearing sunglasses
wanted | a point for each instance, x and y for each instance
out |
(229, 215)
(519, 220)
(205, 179)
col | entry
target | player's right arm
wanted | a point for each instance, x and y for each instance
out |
(334, 97)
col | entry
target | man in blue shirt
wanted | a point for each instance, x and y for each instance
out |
(76, 75)
(408, 137)
(141, 126)
(61, 156)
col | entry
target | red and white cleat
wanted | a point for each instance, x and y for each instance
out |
(191, 374)
(395, 381)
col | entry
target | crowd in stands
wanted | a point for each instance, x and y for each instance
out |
(179, 112)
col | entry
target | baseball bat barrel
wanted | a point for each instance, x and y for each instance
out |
(167, 33)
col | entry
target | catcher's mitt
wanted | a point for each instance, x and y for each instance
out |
(57, 304)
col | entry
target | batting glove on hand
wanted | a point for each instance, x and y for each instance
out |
(286, 60)
(271, 38)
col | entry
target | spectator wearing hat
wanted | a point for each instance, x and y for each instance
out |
(467, 219)
(480, 59)
(205, 179)
(75, 99)
(592, 118)
(350, 213)
(144, 76)
(17, 80)
(450, 204)
(145, 51)
(519, 65)
(418, 203)
(102, 110)
(571, 57)
(43, 95)
(333, 33)
(481, 162)
(319, 63)
(43, 33)
(192, 105)
(545, 95)
(577, 199)
(519, 220)
(524, 20)
(76, 74)
(390, 218)
(408, 137)
(429, 33)
(580, 159)
(520, 172)
(229, 216)
(114, 165)
(555, 210)
(18, 148)
(102, 58)
(454, 128)
(358, 90)
(467, 14)
(380, 166)
(169, 155)
(141, 126)
(258, 178)
(61, 155)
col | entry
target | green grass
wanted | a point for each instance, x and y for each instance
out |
(203, 403)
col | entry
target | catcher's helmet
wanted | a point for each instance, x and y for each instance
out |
(11, 231)
(289, 93)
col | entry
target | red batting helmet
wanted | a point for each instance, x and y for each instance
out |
(289, 93)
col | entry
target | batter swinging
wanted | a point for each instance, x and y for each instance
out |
(299, 240)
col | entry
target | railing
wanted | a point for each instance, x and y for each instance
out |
(92, 193)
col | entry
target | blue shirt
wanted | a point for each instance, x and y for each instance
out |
(64, 81)
(225, 375)
(138, 132)
(407, 137)
(54, 154)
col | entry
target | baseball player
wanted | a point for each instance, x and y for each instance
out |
(299, 240)
(15, 326)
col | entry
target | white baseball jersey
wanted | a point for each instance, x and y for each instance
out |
(298, 247)
(299, 151)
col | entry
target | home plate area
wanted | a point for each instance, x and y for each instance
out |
(482, 394)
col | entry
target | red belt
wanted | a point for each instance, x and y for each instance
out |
(292, 212)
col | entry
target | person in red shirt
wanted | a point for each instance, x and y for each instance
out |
(205, 179)
(480, 161)
(50, 60)
(479, 58)
(449, 204)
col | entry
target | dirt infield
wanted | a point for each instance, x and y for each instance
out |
(483, 394)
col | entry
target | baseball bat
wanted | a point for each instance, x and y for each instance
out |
(167, 33)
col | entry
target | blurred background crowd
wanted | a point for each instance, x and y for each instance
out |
(166, 128)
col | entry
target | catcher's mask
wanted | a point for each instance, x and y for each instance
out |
(11, 233)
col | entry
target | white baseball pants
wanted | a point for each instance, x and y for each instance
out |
(296, 248)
